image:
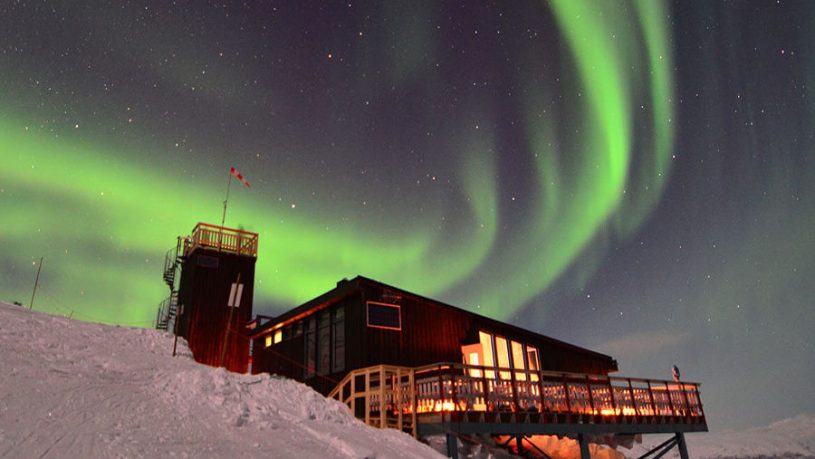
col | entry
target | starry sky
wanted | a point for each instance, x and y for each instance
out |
(634, 177)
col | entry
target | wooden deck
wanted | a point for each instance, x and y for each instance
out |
(454, 398)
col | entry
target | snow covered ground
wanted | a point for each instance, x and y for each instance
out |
(788, 439)
(80, 390)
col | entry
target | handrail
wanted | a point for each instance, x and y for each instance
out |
(559, 374)
(222, 239)
(386, 392)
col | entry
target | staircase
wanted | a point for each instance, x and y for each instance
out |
(382, 396)
(167, 311)
(168, 308)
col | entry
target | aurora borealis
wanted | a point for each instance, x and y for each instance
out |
(635, 177)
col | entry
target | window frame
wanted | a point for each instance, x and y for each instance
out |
(383, 327)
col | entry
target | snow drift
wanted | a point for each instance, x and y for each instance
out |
(73, 389)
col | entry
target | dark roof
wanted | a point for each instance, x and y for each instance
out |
(347, 287)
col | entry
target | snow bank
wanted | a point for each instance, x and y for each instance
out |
(73, 389)
(788, 439)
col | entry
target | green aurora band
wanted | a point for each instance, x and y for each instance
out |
(103, 223)
(574, 210)
(68, 183)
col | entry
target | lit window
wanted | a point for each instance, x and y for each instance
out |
(471, 356)
(518, 360)
(502, 354)
(532, 358)
(268, 341)
(474, 358)
(486, 346)
(384, 315)
(278, 336)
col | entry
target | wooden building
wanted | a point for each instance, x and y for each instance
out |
(362, 323)
(215, 290)
(404, 361)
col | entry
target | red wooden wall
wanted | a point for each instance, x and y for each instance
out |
(431, 332)
(204, 293)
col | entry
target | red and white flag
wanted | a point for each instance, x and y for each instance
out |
(239, 177)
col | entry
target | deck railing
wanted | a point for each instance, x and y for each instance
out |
(380, 393)
(222, 239)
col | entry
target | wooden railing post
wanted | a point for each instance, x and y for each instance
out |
(367, 397)
(698, 399)
(515, 407)
(566, 392)
(670, 401)
(396, 386)
(441, 389)
(453, 388)
(541, 395)
(611, 395)
(633, 401)
(685, 397)
(651, 397)
(382, 411)
(353, 393)
(413, 404)
(485, 389)
(591, 398)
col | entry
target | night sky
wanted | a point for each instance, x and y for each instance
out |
(637, 178)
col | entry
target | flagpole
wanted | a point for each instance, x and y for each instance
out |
(228, 184)
(36, 281)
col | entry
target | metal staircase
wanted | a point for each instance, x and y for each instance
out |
(167, 311)
(168, 308)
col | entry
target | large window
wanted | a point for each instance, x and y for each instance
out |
(311, 346)
(532, 357)
(502, 355)
(323, 342)
(533, 362)
(518, 360)
(384, 315)
(499, 352)
(486, 346)
(338, 339)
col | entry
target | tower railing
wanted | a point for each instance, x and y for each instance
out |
(222, 239)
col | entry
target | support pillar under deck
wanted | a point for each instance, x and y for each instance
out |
(681, 445)
(584, 446)
(452, 446)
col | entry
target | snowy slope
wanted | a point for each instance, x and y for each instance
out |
(73, 389)
(787, 439)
